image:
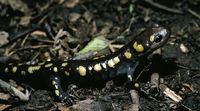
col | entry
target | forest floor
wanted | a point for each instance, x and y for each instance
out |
(35, 30)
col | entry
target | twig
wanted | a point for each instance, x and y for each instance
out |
(28, 48)
(157, 5)
(135, 100)
(111, 48)
(20, 35)
(13, 91)
(187, 68)
(171, 94)
(194, 13)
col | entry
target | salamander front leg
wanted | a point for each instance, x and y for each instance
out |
(128, 68)
(64, 97)
(130, 71)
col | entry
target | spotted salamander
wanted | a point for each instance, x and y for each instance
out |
(121, 63)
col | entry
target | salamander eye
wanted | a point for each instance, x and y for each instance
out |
(158, 38)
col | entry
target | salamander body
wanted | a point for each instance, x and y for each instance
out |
(121, 63)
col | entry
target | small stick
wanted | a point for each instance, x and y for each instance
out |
(135, 100)
(171, 94)
(194, 13)
(13, 91)
(157, 5)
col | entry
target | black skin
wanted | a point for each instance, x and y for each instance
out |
(125, 68)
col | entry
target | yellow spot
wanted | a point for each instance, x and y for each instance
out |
(14, 69)
(57, 92)
(56, 86)
(135, 45)
(53, 82)
(116, 60)
(66, 73)
(23, 72)
(6, 70)
(127, 55)
(152, 37)
(138, 47)
(111, 63)
(82, 70)
(97, 67)
(137, 85)
(48, 65)
(31, 69)
(55, 69)
(64, 64)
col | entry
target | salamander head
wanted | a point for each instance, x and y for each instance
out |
(151, 39)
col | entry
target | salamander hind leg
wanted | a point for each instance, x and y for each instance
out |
(64, 97)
